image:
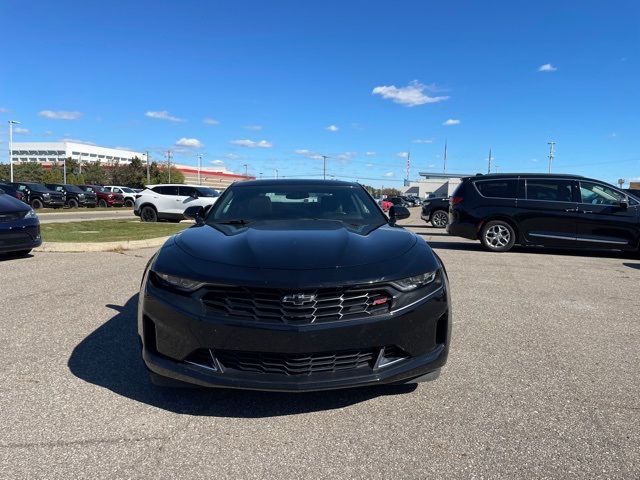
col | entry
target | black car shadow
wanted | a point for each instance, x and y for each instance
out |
(110, 357)
(12, 256)
(632, 265)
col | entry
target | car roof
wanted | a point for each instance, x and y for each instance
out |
(295, 181)
(176, 185)
(486, 176)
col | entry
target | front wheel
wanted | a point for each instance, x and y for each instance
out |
(36, 203)
(73, 203)
(498, 236)
(439, 219)
(102, 203)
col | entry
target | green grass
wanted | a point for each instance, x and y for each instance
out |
(107, 230)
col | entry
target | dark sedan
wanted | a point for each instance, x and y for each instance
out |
(294, 285)
(19, 226)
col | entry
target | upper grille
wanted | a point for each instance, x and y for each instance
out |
(10, 217)
(296, 364)
(281, 306)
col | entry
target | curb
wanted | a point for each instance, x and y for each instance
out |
(70, 247)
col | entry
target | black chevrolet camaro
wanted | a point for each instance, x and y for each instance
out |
(294, 285)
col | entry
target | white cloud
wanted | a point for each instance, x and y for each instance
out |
(389, 174)
(431, 165)
(547, 67)
(613, 135)
(451, 121)
(190, 142)
(4, 110)
(332, 128)
(163, 115)
(232, 156)
(73, 140)
(346, 156)
(20, 130)
(252, 144)
(208, 121)
(47, 133)
(60, 115)
(423, 140)
(370, 154)
(308, 153)
(369, 165)
(254, 128)
(217, 162)
(402, 154)
(412, 95)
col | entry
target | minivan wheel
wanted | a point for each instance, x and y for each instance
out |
(36, 203)
(498, 236)
(148, 214)
(439, 219)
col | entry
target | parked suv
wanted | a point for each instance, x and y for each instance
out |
(168, 202)
(13, 191)
(75, 196)
(569, 211)
(38, 195)
(129, 194)
(105, 197)
(436, 211)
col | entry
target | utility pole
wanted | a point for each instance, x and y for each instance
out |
(324, 167)
(551, 155)
(64, 170)
(146, 153)
(621, 182)
(489, 166)
(169, 163)
(246, 170)
(408, 166)
(445, 157)
(276, 170)
(200, 166)
(11, 124)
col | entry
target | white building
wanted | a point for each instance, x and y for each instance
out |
(438, 184)
(46, 152)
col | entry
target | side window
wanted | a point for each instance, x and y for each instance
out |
(549, 190)
(507, 188)
(186, 191)
(116, 190)
(598, 194)
(167, 190)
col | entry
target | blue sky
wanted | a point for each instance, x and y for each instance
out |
(277, 84)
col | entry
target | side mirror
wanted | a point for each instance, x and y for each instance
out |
(196, 213)
(624, 203)
(397, 212)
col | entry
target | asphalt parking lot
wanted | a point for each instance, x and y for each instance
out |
(542, 382)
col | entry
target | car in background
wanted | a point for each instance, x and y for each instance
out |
(38, 195)
(436, 211)
(549, 210)
(13, 191)
(410, 200)
(75, 196)
(386, 205)
(169, 201)
(294, 285)
(104, 196)
(19, 226)
(129, 194)
(399, 201)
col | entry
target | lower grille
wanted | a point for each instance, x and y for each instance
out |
(270, 305)
(10, 217)
(296, 364)
(11, 239)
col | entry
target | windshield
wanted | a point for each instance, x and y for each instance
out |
(73, 188)
(127, 190)
(346, 204)
(208, 192)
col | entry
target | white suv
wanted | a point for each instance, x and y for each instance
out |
(168, 201)
(129, 194)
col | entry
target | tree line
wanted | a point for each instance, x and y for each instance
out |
(132, 175)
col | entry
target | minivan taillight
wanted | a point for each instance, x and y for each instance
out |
(455, 200)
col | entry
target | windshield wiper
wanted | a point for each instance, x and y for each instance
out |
(233, 221)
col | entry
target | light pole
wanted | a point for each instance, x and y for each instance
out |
(324, 167)
(146, 153)
(11, 124)
(276, 170)
(246, 170)
(551, 155)
(200, 155)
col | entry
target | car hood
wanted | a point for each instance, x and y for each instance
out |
(300, 245)
(9, 204)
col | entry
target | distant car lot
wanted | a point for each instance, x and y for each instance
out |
(541, 382)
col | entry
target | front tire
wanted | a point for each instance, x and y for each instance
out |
(128, 203)
(36, 203)
(148, 214)
(73, 203)
(102, 203)
(498, 236)
(439, 219)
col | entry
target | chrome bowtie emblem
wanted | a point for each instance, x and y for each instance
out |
(298, 299)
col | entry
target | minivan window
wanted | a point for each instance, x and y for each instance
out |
(550, 190)
(507, 188)
(597, 194)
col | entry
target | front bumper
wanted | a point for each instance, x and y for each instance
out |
(22, 235)
(172, 329)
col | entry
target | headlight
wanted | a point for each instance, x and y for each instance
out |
(46, 195)
(31, 214)
(417, 281)
(426, 203)
(179, 283)
(81, 195)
